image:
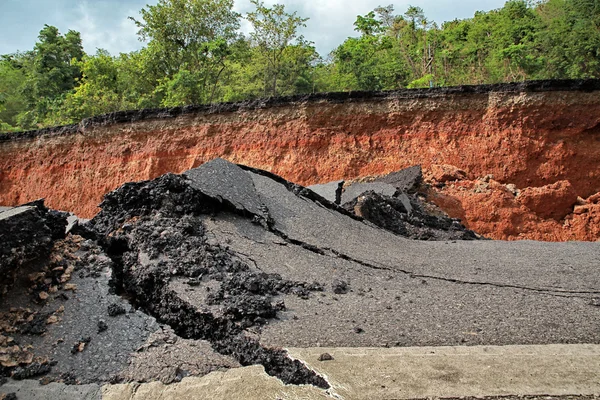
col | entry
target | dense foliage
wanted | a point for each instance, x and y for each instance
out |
(194, 53)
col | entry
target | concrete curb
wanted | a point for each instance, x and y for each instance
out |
(421, 372)
(401, 373)
(565, 371)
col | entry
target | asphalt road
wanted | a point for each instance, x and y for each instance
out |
(411, 293)
(381, 291)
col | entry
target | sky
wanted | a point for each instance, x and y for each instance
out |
(104, 23)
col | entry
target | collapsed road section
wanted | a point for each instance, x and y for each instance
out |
(227, 266)
(27, 234)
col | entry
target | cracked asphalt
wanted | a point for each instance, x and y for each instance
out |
(375, 289)
(411, 293)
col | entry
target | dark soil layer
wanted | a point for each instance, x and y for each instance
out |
(585, 85)
(27, 235)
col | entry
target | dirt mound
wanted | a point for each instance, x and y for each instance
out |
(27, 235)
(506, 212)
(551, 201)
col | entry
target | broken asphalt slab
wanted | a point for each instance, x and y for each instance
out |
(354, 190)
(331, 191)
(403, 293)
(407, 180)
(396, 202)
(222, 180)
(27, 235)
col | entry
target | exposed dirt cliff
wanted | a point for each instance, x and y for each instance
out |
(527, 135)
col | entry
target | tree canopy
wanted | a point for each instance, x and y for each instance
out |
(194, 53)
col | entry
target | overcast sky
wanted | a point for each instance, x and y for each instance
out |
(104, 23)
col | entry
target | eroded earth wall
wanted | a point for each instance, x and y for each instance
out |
(539, 141)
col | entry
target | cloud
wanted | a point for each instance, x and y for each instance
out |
(330, 21)
(104, 23)
(103, 27)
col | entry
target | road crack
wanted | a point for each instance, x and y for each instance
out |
(329, 252)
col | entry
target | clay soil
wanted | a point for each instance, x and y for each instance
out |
(539, 141)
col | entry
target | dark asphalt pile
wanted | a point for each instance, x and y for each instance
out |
(225, 266)
(407, 216)
(153, 232)
(396, 202)
(27, 235)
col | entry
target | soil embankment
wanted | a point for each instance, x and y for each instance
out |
(539, 141)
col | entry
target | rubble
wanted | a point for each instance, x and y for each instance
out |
(27, 235)
(226, 266)
(325, 357)
(396, 202)
(165, 238)
(407, 218)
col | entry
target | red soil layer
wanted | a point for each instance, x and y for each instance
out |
(529, 139)
(499, 211)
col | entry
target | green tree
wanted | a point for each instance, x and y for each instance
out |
(100, 91)
(369, 63)
(274, 31)
(51, 71)
(368, 25)
(12, 101)
(570, 38)
(189, 41)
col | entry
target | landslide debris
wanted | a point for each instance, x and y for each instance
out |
(236, 263)
(154, 233)
(396, 202)
(27, 235)
(503, 211)
(407, 217)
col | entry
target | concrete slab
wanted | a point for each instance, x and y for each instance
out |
(249, 383)
(400, 373)
(433, 372)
